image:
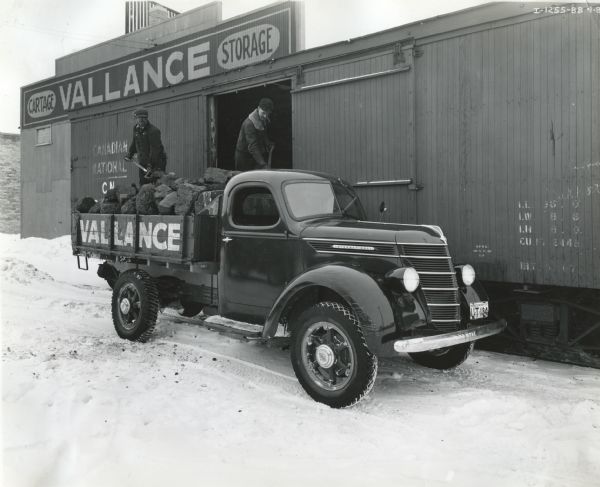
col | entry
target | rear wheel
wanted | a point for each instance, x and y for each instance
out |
(444, 358)
(135, 305)
(330, 356)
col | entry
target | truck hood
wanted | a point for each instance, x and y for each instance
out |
(342, 229)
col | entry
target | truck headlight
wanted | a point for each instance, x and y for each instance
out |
(410, 279)
(467, 274)
(401, 279)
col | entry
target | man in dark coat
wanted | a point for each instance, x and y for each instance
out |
(253, 144)
(146, 143)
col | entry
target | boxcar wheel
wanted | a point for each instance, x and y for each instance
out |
(444, 358)
(330, 356)
(135, 305)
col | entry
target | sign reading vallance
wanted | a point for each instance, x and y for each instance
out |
(229, 45)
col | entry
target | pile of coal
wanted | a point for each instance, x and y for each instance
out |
(167, 205)
(144, 201)
(187, 194)
(83, 205)
(166, 195)
(95, 208)
(161, 191)
(214, 175)
(110, 204)
(128, 205)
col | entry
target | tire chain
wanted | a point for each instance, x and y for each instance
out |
(152, 296)
(350, 315)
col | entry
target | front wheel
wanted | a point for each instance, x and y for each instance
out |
(330, 356)
(135, 305)
(444, 358)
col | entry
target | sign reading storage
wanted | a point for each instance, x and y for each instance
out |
(258, 37)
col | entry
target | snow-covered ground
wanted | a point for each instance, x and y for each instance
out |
(81, 407)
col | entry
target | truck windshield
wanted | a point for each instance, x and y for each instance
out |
(311, 199)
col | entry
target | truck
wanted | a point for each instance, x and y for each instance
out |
(291, 254)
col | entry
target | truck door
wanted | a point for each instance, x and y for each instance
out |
(256, 255)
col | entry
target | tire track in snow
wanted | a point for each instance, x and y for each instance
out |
(257, 367)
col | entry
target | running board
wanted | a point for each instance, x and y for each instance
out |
(235, 329)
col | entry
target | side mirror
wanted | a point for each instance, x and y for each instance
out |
(382, 210)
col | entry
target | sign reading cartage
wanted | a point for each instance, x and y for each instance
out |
(268, 33)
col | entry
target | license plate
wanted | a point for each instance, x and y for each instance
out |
(479, 310)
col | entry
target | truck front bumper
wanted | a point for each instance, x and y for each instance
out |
(423, 344)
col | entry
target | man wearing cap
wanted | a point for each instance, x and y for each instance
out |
(147, 144)
(253, 144)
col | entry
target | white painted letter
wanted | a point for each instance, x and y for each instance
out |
(117, 239)
(171, 77)
(103, 238)
(145, 235)
(160, 227)
(194, 61)
(110, 95)
(155, 76)
(93, 234)
(85, 227)
(174, 236)
(131, 81)
(65, 99)
(129, 234)
(91, 98)
(78, 95)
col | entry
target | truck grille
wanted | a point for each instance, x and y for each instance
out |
(438, 282)
(353, 247)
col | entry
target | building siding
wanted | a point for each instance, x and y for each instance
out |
(45, 183)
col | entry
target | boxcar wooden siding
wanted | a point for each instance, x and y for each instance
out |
(357, 129)
(508, 147)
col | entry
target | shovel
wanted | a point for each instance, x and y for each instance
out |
(136, 164)
(270, 156)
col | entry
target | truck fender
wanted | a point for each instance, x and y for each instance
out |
(359, 290)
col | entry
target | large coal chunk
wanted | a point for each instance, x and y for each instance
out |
(144, 201)
(95, 208)
(167, 205)
(110, 207)
(186, 197)
(128, 207)
(168, 179)
(83, 205)
(216, 175)
(112, 196)
(161, 192)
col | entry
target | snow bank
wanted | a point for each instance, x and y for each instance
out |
(83, 408)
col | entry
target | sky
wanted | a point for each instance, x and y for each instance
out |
(33, 33)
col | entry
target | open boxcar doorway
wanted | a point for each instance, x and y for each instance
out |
(233, 108)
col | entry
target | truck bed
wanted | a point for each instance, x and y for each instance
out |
(159, 238)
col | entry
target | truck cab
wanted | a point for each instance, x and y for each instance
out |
(293, 253)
